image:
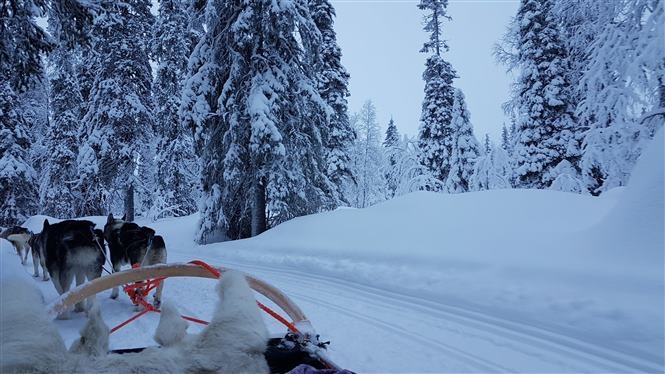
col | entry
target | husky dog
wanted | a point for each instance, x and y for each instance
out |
(71, 249)
(19, 237)
(135, 245)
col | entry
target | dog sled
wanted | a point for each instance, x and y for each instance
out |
(297, 351)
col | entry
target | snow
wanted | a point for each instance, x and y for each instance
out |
(489, 281)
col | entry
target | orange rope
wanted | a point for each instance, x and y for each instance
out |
(128, 321)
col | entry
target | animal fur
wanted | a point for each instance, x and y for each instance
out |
(233, 342)
(72, 249)
(19, 237)
(29, 341)
(131, 244)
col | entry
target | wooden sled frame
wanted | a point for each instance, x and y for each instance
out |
(88, 289)
(98, 285)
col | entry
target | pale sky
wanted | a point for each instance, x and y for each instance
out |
(380, 40)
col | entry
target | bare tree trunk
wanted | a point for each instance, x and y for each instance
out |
(259, 207)
(129, 203)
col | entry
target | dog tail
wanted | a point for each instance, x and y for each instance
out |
(158, 242)
(19, 238)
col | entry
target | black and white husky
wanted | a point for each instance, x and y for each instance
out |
(71, 249)
(135, 245)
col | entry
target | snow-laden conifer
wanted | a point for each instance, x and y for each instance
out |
(21, 43)
(18, 180)
(176, 177)
(391, 145)
(59, 192)
(253, 102)
(624, 97)
(435, 137)
(465, 148)
(543, 101)
(332, 83)
(119, 117)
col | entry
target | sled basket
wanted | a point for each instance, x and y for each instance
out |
(282, 354)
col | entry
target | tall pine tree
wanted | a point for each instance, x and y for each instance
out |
(391, 146)
(545, 120)
(332, 83)
(465, 148)
(176, 192)
(435, 137)
(253, 101)
(59, 195)
(119, 117)
(21, 43)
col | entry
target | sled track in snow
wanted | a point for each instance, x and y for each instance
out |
(531, 340)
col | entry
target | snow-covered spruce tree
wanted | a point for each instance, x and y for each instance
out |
(487, 145)
(367, 159)
(21, 43)
(58, 194)
(18, 180)
(465, 148)
(543, 102)
(253, 101)
(435, 138)
(624, 101)
(176, 177)
(215, 79)
(119, 117)
(391, 146)
(506, 141)
(332, 82)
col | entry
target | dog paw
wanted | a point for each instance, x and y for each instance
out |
(45, 279)
(36, 275)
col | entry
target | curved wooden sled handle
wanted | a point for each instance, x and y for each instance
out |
(98, 285)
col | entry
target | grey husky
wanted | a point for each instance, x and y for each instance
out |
(135, 245)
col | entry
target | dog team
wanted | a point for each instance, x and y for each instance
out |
(75, 249)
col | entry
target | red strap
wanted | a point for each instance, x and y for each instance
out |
(144, 311)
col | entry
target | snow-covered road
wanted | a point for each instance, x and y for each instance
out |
(375, 330)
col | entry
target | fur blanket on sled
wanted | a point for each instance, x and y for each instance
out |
(233, 342)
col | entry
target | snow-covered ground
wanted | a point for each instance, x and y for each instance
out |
(494, 281)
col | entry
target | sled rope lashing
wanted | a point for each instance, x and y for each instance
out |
(138, 291)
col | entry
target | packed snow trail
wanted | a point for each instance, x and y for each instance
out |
(438, 336)
(375, 330)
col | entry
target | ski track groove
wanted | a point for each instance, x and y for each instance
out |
(567, 346)
(465, 357)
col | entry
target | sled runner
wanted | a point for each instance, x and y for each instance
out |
(300, 345)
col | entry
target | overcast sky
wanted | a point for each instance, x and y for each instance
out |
(380, 40)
